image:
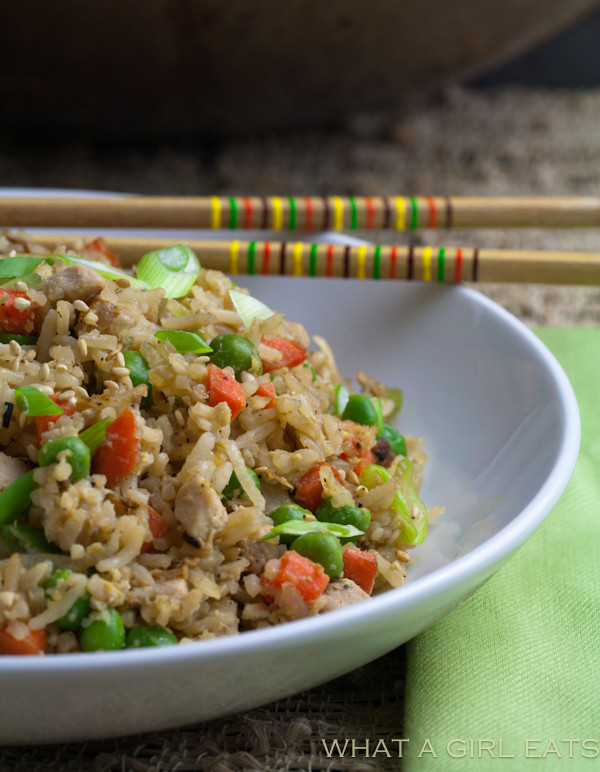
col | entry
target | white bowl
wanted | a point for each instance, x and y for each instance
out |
(501, 427)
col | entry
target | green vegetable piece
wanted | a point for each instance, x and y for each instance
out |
(396, 440)
(34, 402)
(323, 548)
(16, 497)
(339, 398)
(95, 434)
(106, 271)
(81, 609)
(105, 633)
(139, 637)
(286, 512)
(32, 280)
(249, 308)
(184, 341)
(373, 475)
(397, 397)
(234, 490)
(237, 352)
(283, 514)
(18, 537)
(23, 340)
(174, 269)
(79, 457)
(139, 372)
(18, 266)
(363, 410)
(359, 517)
(300, 527)
(415, 525)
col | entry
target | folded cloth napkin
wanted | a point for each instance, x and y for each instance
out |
(511, 678)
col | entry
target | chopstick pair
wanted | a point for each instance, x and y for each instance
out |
(330, 213)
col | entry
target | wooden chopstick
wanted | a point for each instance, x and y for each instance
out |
(434, 264)
(300, 213)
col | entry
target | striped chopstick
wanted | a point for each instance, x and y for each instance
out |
(430, 264)
(300, 213)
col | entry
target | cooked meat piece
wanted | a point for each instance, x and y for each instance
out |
(199, 509)
(341, 593)
(72, 283)
(382, 452)
(10, 469)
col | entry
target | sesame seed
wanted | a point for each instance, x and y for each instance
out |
(44, 372)
(82, 346)
(20, 286)
(80, 392)
(112, 385)
(179, 417)
(15, 348)
(120, 359)
(61, 368)
(91, 318)
(120, 371)
(123, 282)
(66, 395)
(80, 305)
(21, 303)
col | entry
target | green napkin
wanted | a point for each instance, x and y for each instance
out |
(511, 678)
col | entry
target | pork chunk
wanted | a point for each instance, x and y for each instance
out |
(199, 509)
(72, 283)
(343, 592)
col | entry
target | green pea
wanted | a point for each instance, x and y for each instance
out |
(78, 458)
(237, 352)
(363, 410)
(105, 633)
(396, 440)
(139, 637)
(139, 372)
(286, 512)
(324, 548)
(359, 517)
(81, 609)
(234, 490)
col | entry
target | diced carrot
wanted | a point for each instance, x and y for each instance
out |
(44, 422)
(294, 569)
(13, 318)
(361, 567)
(33, 643)
(119, 453)
(158, 527)
(292, 353)
(267, 390)
(309, 489)
(366, 458)
(223, 387)
(99, 245)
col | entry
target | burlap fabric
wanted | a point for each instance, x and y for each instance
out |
(505, 142)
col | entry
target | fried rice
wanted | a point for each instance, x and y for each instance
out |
(154, 531)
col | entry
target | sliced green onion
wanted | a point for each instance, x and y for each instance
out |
(23, 340)
(174, 269)
(106, 271)
(396, 396)
(34, 402)
(249, 308)
(340, 397)
(15, 498)
(184, 341)
(94, 435)
(299, 527)
(32, 280)
(24, 538)
(15, 267)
